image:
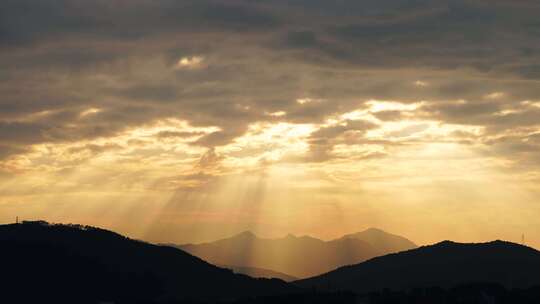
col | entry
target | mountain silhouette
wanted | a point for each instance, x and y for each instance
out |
(445, 264)
(383, 241)
(300, 257)
(49, 263)
(255, 272)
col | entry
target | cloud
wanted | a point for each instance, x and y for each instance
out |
(323, 140)
(389, 115)
(409, 130)
(178, 134)
(193, 62)
(210, 159)
(228, 64)
(7, 150)
(134, 20)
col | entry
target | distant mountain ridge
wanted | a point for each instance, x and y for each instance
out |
(445, 264)
(384, 241)
(80, 264)
(255, 272)
(300, 257)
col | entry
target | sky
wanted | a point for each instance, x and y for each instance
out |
(188, 121)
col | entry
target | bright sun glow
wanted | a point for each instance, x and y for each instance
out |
(193, 62)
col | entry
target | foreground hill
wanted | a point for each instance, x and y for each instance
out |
(445, 264)
(298, 256)
(78, 264)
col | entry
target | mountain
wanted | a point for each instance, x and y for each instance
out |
(383, 241)
(445, 264)
(79, 264)
(298, 256)
(255, 272)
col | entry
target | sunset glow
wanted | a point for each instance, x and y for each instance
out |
(227, 116)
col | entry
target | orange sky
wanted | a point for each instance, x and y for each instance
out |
(207, 118)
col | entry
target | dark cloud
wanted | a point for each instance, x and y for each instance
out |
(521, 150)
(323, 140)
(302, 39)
(217, 138)
(529, 71)
(28, 21)
(7, 150)
(389, 115)
(22, 133)
(496, 116)
(210, 159)
(463, 112)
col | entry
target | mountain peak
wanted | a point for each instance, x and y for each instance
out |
(445, 243)
(387, 242)
(490, 244)
(374, 230)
